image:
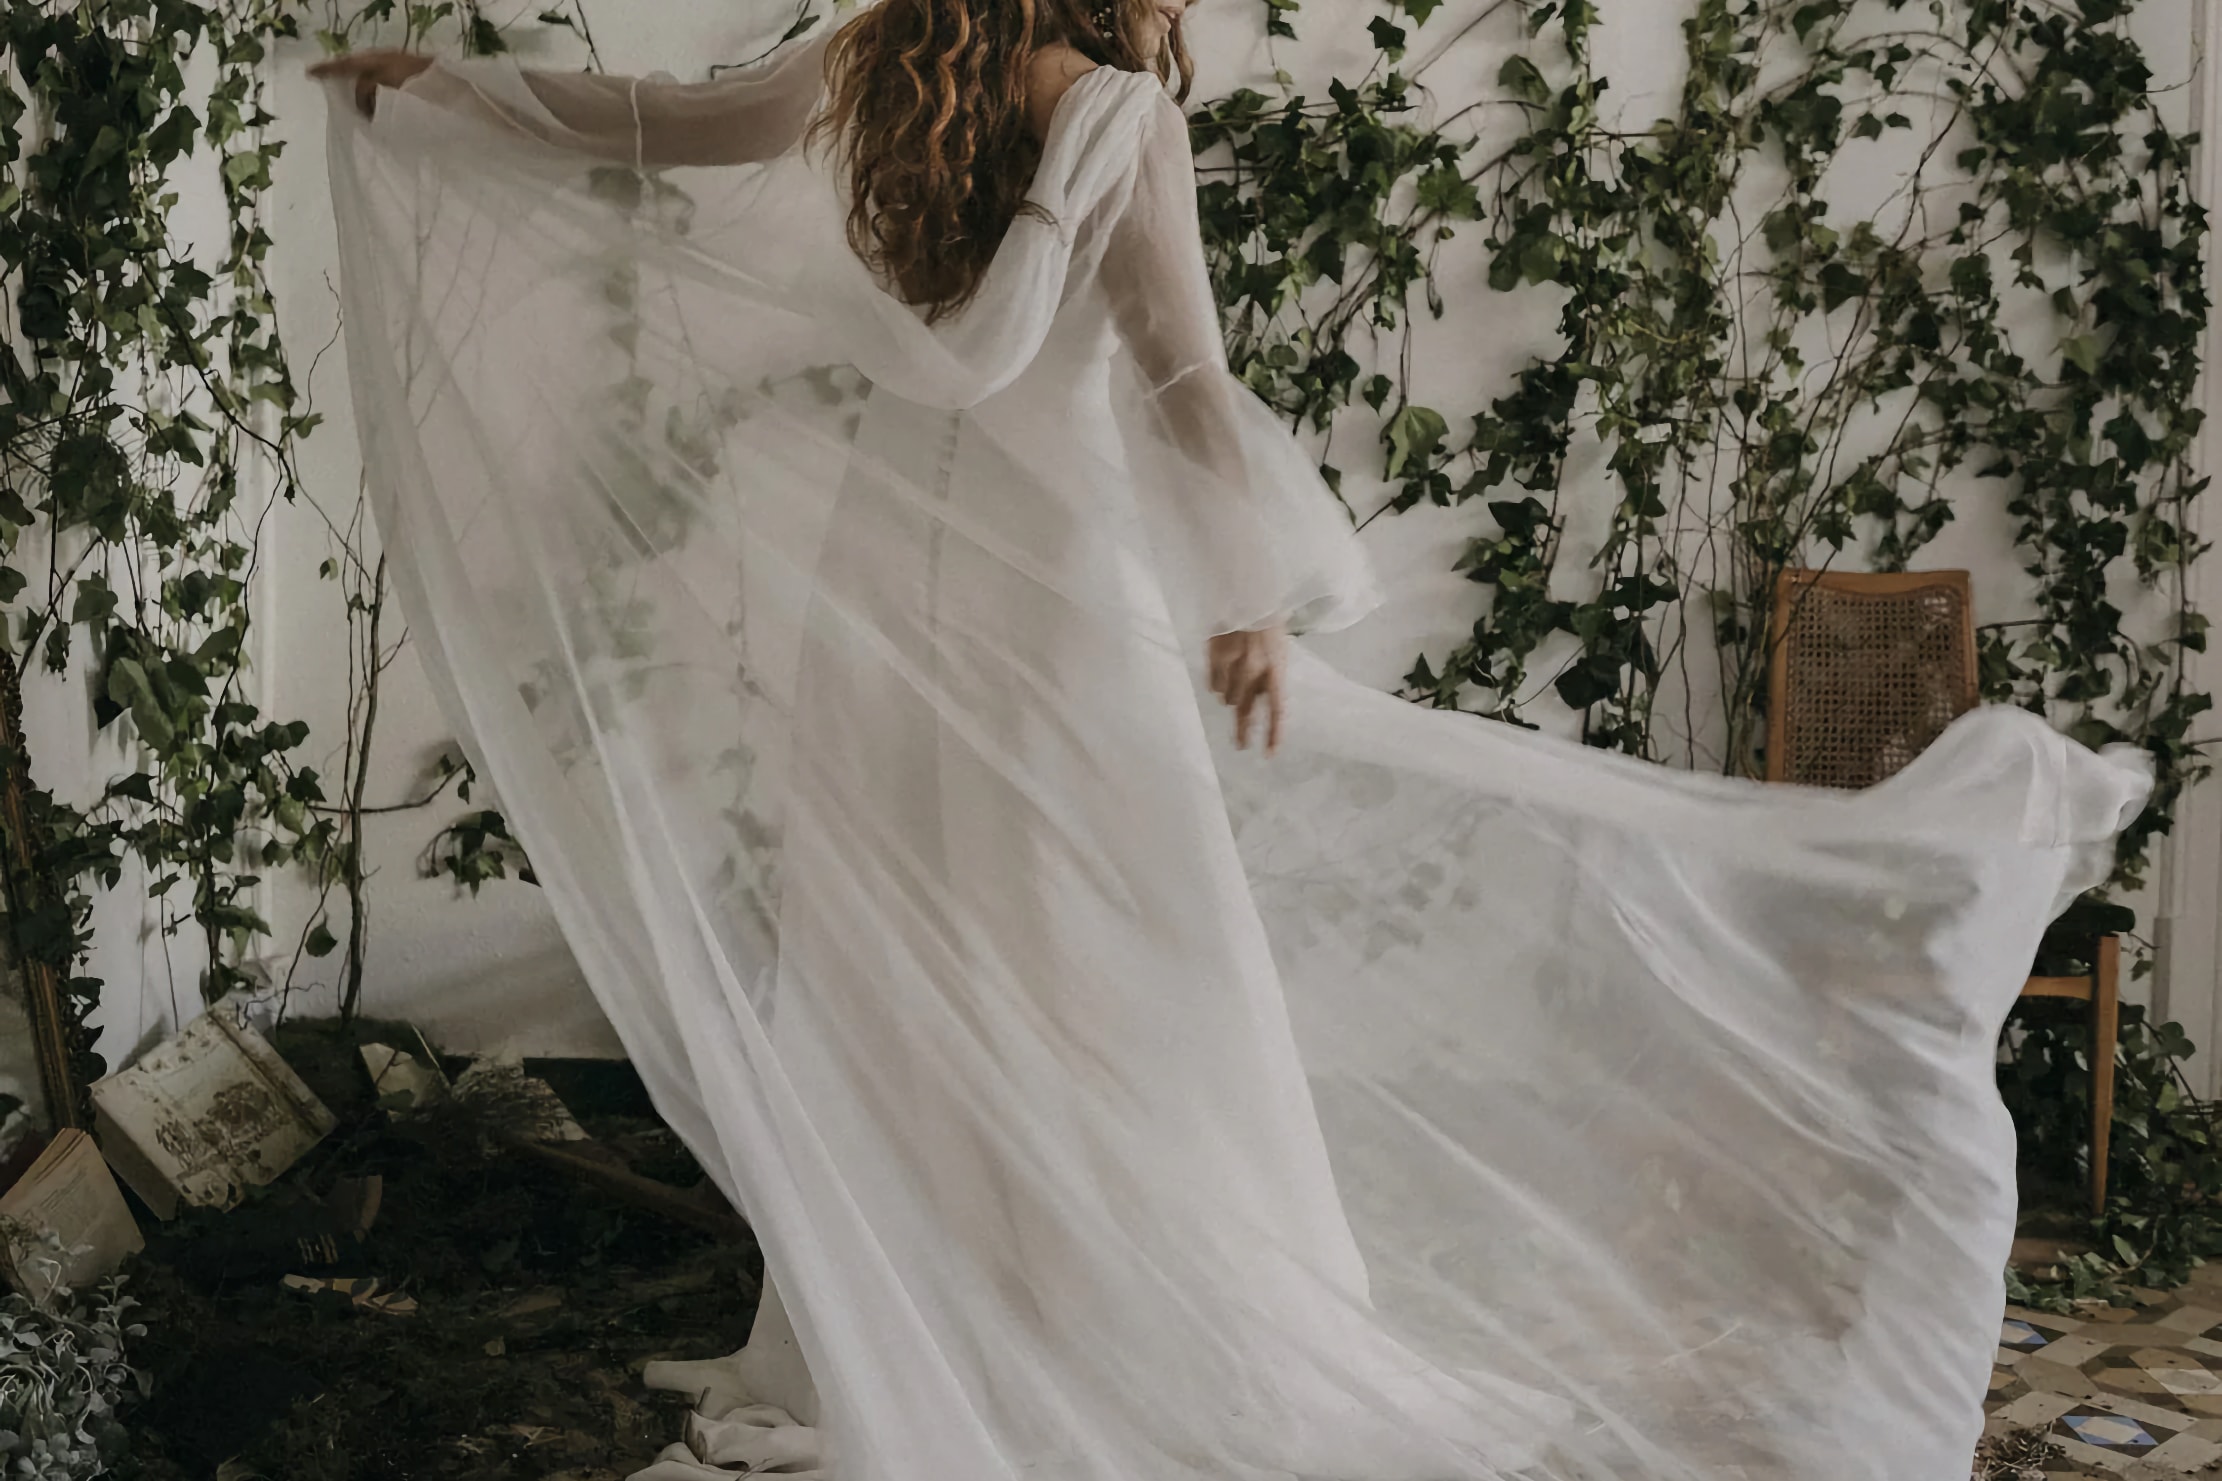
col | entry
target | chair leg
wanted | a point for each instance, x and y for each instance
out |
(2106, 966)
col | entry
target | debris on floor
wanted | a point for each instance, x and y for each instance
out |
(361, 1292)
(419, 1297)
(2019, 1455)
(405, 1079)
(517, 1105)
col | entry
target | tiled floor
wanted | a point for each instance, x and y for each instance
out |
(2134, 1393)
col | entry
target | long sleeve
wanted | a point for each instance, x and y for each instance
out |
(752, 114)
(1246, 529)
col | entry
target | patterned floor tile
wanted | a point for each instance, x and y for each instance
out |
(2131, 1380)
(2049, 1319)
(2095, 1426)
(2079, 1348)
(2131, 1392)
(2052, 1378)
(2191, 1320)
(2187, 1454)
(2112, 1316)
(2180, 1371)
(2035, 1409)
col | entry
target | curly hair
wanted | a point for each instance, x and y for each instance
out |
(928, 100)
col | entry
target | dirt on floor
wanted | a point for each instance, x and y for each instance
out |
(538, 1297)
(537, 1300)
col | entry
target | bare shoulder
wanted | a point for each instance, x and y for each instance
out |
(1052, 70)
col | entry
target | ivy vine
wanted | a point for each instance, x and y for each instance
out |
(135, 385)
(147, 408)
(1772, 384)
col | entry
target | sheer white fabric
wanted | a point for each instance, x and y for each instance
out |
(1433, 1100)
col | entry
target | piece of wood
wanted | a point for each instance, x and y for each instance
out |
(51, 1030)
(2106, 967)
(676, 1204)
(2078, 988)
(2101, 988)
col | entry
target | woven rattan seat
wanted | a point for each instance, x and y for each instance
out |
(1868, 671)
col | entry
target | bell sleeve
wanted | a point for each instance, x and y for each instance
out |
(747, 115)
(1244, 529)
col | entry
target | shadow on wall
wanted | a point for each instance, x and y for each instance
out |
(470, 999)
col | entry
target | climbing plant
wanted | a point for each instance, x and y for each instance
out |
(1768, 381)
(2166, 1167)
(149, 422)
(137, 382)
(1747, 377)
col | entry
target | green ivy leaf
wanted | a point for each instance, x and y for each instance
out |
(247, 168)
(1523, 80)
(1806, 17)
(1446, 192)
(95, 602)
(483, 38)
(1413, 434)
(1840, 284)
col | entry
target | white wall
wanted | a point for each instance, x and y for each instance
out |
(2188, 932)
(151, 981)
(492, 972)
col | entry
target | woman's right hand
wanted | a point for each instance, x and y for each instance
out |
(371, 70)
(1248, 668)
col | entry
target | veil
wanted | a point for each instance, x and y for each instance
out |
(1430, 1100)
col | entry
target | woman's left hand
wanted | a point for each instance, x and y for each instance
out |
(1247, 667)
(370, 71)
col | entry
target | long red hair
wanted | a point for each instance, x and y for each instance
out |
(928, 102)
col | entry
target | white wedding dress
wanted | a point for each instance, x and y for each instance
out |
(1431, 1101)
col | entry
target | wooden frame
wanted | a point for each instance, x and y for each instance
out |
(2101, 988)
(1790, 588)
(54, 1032)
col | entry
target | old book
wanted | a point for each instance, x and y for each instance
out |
(68, 1193)
(204, 1116)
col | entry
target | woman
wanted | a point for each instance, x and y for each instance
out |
(815, 493)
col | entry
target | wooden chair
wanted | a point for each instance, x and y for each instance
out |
(1865, 672)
